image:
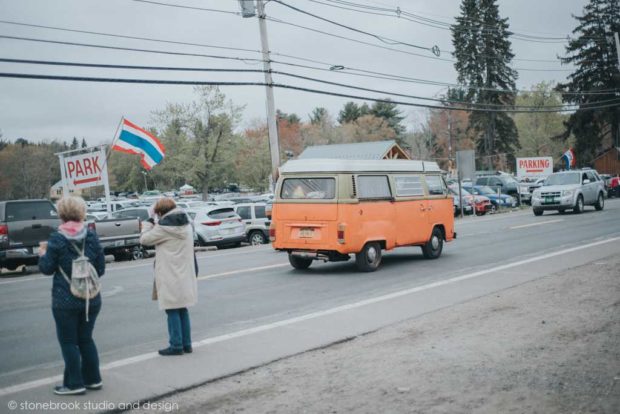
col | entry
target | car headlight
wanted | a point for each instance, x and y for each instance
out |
(567, 193)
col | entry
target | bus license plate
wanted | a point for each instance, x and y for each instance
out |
(306, 233)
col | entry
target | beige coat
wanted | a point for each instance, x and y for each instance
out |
(175, 277)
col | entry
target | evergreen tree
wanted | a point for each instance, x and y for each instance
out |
(349, 113)
(392, 115)
(84, 145)
(74, 144)
(594, 54)
(483, 54)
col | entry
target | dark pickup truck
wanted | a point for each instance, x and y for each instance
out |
(23, 224)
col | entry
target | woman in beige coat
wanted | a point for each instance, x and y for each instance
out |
(175, 271)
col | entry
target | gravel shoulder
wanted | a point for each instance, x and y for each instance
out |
(547, 346)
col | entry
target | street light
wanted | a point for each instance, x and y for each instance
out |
(146, 187)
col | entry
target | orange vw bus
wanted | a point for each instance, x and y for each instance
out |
(328, 209)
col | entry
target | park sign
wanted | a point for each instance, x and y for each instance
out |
(534, 166)
(85, 170)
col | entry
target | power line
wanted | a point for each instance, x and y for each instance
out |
(131, 49)
(364, 73)
(381, 38)
(296, 76)
(401, 13)
(283, 86)
(115, 35)
(403, 16)
(187, 7)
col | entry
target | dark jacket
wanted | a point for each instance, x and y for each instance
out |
(60, 252)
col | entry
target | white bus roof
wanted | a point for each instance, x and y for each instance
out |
(338, 165)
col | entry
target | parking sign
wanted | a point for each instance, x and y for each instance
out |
(85, 170)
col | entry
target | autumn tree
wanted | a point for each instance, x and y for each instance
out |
(537, 130)
(367, 128)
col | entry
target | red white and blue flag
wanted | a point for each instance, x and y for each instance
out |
(134, 140)
(569, 156)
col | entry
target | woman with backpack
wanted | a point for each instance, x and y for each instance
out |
(175, 287)
(74, 316)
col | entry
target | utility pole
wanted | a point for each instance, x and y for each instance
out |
(247, 10)
(274, 145)
(618, 53)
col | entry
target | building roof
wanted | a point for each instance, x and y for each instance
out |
(376, 150)
(338, 166)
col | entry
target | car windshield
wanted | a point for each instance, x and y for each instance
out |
(485, 190)
(563, 179)
(455, 191)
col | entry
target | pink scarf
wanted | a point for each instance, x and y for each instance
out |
(71, 228)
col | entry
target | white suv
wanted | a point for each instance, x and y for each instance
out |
(256, 222)
(569, 190)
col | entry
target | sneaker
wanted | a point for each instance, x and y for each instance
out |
(188, 349)
(170, 351)
(62, 390)
(96, 386)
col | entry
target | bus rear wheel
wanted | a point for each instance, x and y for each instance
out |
(300, 263)
(369, 259)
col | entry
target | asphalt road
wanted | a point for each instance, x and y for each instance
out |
(252, 286)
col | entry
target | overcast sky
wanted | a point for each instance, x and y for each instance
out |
(45, 110)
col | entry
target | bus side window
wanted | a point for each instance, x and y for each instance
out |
(373, 187)
(435, 185)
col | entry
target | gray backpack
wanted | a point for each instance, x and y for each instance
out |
(84, 281)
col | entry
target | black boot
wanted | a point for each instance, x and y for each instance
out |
(170, 351)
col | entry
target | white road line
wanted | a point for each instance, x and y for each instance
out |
(245, 332)
(111, 269)
(23, 279)
(535, 224)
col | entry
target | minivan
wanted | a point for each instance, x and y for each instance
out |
(329, 209)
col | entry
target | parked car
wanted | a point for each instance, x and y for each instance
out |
(507, 185)
(569, 190)
(23, 224)
(480, 204)
(497, 200)
(256, 222)
(536, 184)
(467, 201)
(143, 213)
(217, 226)
(613, 189)
(151, 196)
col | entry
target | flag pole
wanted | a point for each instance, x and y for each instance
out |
(106, 180)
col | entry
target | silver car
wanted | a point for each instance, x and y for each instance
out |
(217, 226)
(569, 190)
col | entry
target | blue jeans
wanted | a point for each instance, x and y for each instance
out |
(178, 328)
(79, 352)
